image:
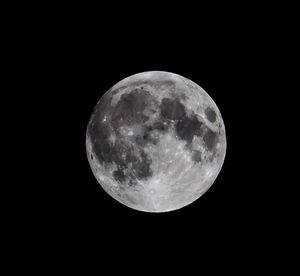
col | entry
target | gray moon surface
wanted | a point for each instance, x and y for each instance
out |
(156, 141)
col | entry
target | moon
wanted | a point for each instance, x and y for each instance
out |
(156, 141)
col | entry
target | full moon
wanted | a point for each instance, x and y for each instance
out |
(156, 141)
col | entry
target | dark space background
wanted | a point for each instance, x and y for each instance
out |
(78, 56)
(226, 65)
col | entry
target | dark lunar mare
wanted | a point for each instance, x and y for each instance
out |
(188, 126)
(128, 111)
(171, 109)
(130, 107)
(210, 139)
(196, 156)
(210, 114)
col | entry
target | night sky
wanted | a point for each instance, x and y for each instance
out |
(78, 61)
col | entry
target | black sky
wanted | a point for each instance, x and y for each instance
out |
(227, 68)
(80, 58)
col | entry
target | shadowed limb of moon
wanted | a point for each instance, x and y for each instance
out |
(156, 141)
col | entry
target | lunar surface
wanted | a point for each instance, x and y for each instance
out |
(156, 141)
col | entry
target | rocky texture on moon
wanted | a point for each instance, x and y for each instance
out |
(156, 141)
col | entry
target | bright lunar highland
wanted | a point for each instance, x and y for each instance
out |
(156, 141)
